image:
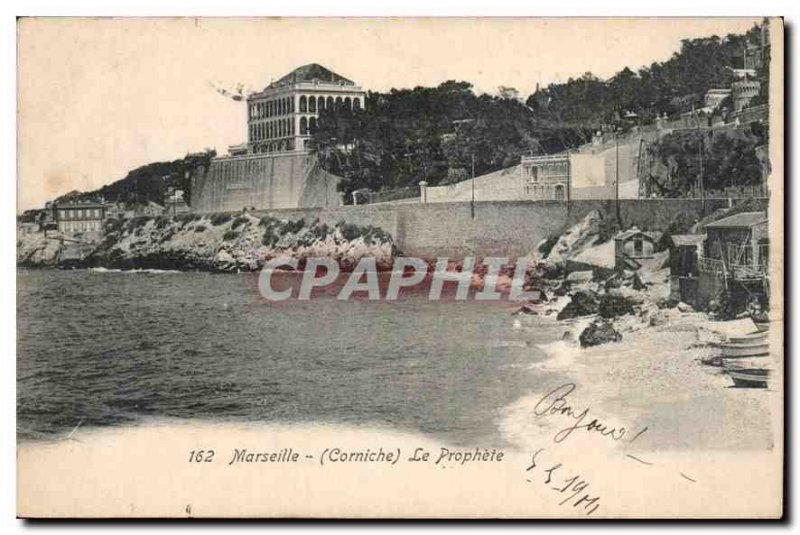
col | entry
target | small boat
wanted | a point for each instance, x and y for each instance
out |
(762, 326)
(752, 348)
(749, 377)
(760, 320)
(714, 360)
(745, 338)
(744, 363)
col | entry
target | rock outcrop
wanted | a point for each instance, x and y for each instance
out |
(582, 303)
(599, 331)
(220, 242)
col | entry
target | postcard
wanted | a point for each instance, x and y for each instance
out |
(510, 268)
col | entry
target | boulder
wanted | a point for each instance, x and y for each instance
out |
(614, 304)
(582, 303)
(600, 331)
(581, 235)
(580, 276)
(612, 282)
(549, 270)
(684, 307)
(562, 289)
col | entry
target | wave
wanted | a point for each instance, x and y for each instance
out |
(560, 355)
(140, 271)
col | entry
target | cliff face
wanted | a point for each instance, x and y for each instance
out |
(215, 243)
(36, 250)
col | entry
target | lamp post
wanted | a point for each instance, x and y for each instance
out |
(472, 202)
(616, 180)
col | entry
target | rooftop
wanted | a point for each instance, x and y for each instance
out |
(311, 73)
(687, 239)
(630, 233)
(80, 203)
(743, 220)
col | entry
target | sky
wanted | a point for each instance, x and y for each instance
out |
(99, 97)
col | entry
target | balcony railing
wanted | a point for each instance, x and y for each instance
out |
(735, 271)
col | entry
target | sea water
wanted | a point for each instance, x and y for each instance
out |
(116, 348)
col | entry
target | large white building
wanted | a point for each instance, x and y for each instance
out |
(282, 117)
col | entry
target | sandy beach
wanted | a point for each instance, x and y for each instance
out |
(655, 378)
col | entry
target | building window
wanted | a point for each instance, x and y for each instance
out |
(302, 103)
(348, 104)
(559, 193)
(338, 103)
(303, 126)
(356, 103)
(321, 103)
(312, 125)
(329, 103)
(312, 105)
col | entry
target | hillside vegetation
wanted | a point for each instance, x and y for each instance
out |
(149, 182)
(439, 134)
(404, 136)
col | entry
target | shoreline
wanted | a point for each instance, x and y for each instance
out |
(654, 378)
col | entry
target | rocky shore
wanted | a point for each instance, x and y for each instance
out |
(220, 243)
(637, 357)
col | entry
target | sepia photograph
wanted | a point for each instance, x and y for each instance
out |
(400, 267)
